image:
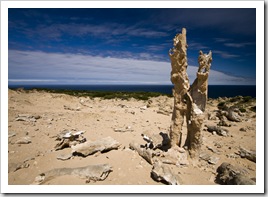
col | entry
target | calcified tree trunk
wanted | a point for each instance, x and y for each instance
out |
(196, 100)
(188, 101)
(179, 77)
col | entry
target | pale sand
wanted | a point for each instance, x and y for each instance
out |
(98, 118)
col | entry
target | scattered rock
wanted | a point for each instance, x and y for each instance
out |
(90, 173)
(162, 172)
(124, 129)
(11, 134)
(89, 148)
(209, 158)
(123, 106)
(213, 160)
(13, 167)
(145, 153)
(224, 122)
(243, 129)
(68, 139)
(232, 115)
(233, 156)
(64, 156)
(218, 130)
(213, 150)
(204, 156)
(72, 109)
(231, 175)
(155, 140)
(27, 117)
(250, 155)
(164, 111)
(24, 140)
(246, 129)
(143, 107)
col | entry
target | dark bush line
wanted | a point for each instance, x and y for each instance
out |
(124, 95)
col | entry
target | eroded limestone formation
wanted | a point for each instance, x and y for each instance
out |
(179, 77)
(188, 101)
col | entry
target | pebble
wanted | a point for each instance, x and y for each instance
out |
(11, 134)
(24, 140)
(213, 160)
(64, 156)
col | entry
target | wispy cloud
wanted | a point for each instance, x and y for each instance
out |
(104, 31)
(225, 54)
(36, 66)
(197, 45)
(238, 45)
(222, 39)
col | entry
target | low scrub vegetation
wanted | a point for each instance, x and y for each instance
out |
(124, 95)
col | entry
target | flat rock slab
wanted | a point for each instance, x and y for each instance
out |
(162, 172)
(27, 117)
(250, 155)
(209, 158)
(13, 167)
(90, 173)
(11, 134)
(24, 140)
(145, 153)
(89, 148)
(64, 156)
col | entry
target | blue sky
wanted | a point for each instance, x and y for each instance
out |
(127, 46)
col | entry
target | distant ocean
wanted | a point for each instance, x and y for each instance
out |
(214, 91)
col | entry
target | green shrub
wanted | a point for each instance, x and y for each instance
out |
(243, 110)
(106, 94)
(235, 99)
(253, 108)
(247, 99)
(221, 104)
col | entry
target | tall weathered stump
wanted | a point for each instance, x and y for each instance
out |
(189, 102)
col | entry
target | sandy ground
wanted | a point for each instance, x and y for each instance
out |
(98, 118)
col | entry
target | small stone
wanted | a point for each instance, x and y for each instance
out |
(64, 157)
(24, 140)
(11, 134)
(184, 162)
(243, 129)
(213, 160)
(181, 150)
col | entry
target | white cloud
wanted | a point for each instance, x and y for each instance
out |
(105, 31)
(35, 67)
(225, 55)
(239, 45)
